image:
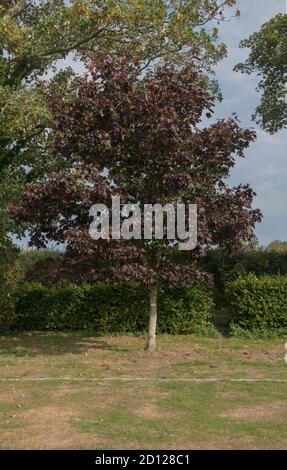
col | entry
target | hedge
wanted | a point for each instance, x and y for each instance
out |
(107, 309)
(258, 305)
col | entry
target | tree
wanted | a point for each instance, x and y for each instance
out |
(268, 59)
(277, 246)
(140, 138)
(35, 35)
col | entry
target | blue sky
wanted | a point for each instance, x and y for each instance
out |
(265, 165)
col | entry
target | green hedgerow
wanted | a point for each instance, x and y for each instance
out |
(109, 309)
(258, 305)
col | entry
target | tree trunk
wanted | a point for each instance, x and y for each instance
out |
(150, 345)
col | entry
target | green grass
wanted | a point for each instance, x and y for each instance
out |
(105, 392)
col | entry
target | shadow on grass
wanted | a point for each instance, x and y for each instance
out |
(51, 344)
(221, 323)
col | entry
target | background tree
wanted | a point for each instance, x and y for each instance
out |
(277, 246)
(36, 33)
(268, 59)
(142, 139)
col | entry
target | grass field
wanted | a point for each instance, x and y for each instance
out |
(75, 391)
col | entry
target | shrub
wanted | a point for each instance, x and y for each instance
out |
(110, 309)
(258, 305)
(15, 268)
(184, 310)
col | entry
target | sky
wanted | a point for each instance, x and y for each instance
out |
(265, 162)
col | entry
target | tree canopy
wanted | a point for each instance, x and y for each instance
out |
(268, 59)
(35, 35)
(277, 246)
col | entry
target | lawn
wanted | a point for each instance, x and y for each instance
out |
(77, 391)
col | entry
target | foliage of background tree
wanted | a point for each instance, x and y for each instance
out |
(225, 267)
(36, 33)
(268, 59)
(277, 246)
(140, 138)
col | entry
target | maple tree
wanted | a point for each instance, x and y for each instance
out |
(140, 138)
(36, 35)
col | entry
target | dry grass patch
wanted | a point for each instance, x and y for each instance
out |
(49, 427)
(266, 412)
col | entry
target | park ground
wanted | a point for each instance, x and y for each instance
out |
(79, 391)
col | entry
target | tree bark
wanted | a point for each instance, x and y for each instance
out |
(151, 341)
